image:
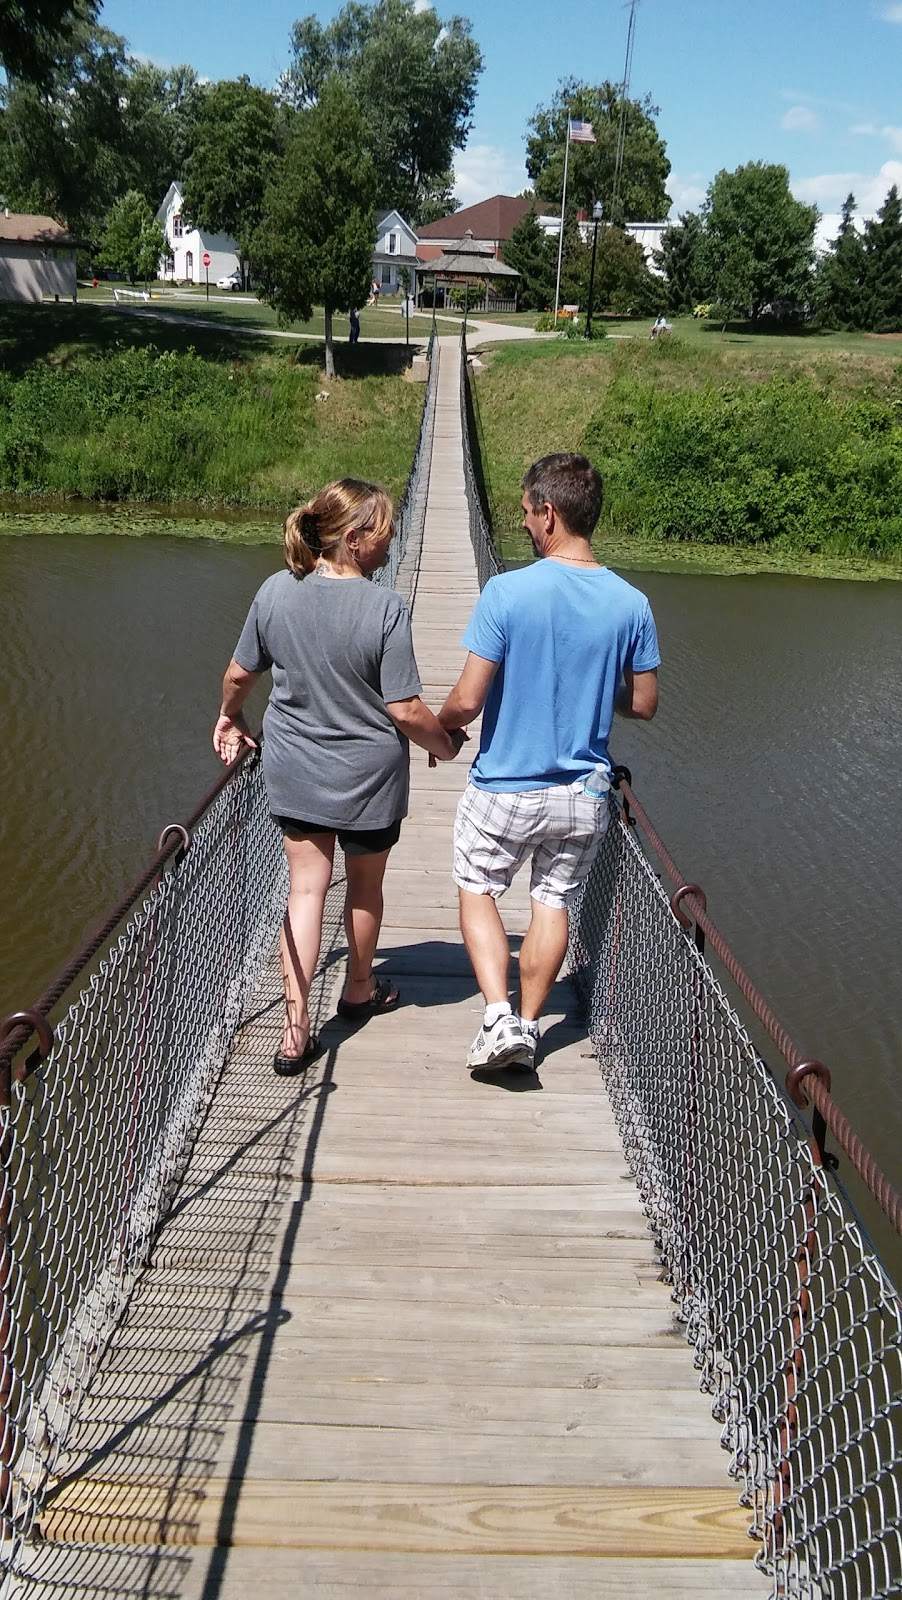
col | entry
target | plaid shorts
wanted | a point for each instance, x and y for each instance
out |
(559, 829)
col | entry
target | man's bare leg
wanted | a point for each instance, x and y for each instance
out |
(486, 943)
(541, 957)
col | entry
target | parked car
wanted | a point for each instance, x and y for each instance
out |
(232, 280)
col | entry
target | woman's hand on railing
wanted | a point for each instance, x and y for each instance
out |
(232, 735)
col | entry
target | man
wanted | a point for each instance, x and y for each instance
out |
(554, 650)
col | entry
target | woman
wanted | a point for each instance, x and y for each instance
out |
(345, 701)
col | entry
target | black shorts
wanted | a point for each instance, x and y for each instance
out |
(353, 841)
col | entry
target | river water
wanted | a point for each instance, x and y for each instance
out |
(771, 770)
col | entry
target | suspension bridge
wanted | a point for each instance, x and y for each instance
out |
(386, 1329)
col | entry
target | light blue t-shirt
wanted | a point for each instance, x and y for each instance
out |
(563, 637)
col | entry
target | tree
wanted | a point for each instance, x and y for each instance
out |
(133, 240)
(592, 168)
(622, 280)
(682, 260)
(439, 200)
(839, 289)
(161, 114)
(64, 147)
(883, 267)
(238, 138)
(36, 34)
(759, 239)
(413, 79)
(314, 245)
(533, 253)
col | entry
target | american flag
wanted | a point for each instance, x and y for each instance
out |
(581, 132)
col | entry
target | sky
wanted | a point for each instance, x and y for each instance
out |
(814, 84)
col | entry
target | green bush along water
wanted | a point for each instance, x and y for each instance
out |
(806, 460)
(141, 423)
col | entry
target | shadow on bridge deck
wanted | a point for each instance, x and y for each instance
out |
(404, 1332)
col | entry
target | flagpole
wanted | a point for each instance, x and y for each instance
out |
(560, 242)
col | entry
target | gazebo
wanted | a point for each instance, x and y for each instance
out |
(471, 259)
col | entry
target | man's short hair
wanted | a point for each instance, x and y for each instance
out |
(572, 485)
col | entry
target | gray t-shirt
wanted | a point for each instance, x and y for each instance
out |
(339, 648)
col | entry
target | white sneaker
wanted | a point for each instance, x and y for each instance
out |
(532, 1040)
(504, 1044)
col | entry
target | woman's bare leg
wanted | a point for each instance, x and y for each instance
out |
(363, 921)
(310, 873)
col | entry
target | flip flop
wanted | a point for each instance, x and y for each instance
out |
(287, 1066)
(385, 997)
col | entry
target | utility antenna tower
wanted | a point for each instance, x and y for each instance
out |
(624, 96)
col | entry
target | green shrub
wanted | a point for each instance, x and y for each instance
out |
(777, 463)
(575, 328)
(136, 423)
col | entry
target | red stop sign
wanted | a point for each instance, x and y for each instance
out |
(206, 258)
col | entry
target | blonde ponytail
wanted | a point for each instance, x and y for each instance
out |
(318, 529)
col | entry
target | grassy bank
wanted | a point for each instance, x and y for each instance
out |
(105, 406)
(759, 455)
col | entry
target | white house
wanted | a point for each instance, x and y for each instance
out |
(396, 249)
(37, 259)
(183, 261)
(647, 234)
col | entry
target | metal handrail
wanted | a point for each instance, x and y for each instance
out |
(807, 1079)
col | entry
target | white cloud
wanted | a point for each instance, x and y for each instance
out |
(867, 128)
(800, 119)
(483, 170)
(893, 137)
(829, 189)
(422, 5)
(801, 97)
(151, 61)
(686, 193)
(893, 14)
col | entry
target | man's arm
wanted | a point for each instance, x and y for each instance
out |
(638, 695)
(470, 692)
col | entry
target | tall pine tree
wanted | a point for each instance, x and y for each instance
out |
(532, 253)
(841, 276)
(681, 259)
(883, 265)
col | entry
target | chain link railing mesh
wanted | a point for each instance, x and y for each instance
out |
(95, 1138)
(797, 1329)
(796, 1326)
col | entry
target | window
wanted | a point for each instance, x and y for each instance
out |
(189, 265)
(177, 229)
(386, 276)
(392, 244)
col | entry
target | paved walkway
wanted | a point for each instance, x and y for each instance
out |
(403, 1334)
(478, 332)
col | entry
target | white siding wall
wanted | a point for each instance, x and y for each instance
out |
(28, 273)
(191, 242)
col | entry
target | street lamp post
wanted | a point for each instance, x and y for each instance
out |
(596, 218)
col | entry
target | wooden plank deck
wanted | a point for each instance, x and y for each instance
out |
(404, 1334)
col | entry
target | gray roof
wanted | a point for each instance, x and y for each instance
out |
(468, 258)
(19, 227)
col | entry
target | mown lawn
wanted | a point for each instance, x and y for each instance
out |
(745, 453)
(226, 309)
(120, 407)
